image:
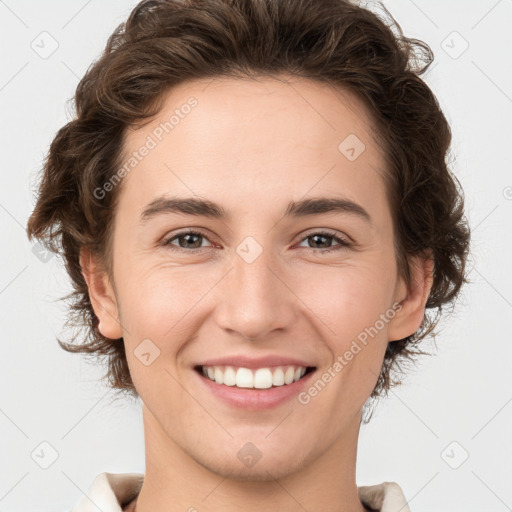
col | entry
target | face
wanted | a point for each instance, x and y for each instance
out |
(249, 278)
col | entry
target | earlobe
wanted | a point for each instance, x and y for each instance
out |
(102, 296)
(410, 315)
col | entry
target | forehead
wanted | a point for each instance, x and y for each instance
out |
(246, 141)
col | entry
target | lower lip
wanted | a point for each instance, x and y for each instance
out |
(255, 399)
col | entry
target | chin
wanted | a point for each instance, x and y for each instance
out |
(261, 471)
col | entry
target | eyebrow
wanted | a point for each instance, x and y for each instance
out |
(201, 207)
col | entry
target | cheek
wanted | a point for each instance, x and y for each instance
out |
(346, 299)
(158, 306)
(159, 301)
(347, 304)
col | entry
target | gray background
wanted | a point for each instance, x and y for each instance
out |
(453, 405)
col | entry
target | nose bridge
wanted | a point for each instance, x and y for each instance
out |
(254, 299)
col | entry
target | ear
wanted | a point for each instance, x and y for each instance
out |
(412, 298)
(101, 294)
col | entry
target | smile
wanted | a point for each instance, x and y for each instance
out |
(260, 378)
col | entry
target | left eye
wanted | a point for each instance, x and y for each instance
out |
(186, 239)
(326, 235)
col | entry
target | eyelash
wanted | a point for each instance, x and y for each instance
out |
(343, 244)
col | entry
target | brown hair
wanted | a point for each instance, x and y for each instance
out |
(166, 42)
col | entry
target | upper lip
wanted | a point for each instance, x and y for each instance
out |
(255, 362)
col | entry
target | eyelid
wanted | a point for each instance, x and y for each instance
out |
(344, 241)
(185, 231)
(327, 232)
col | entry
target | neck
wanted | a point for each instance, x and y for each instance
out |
(174, 481)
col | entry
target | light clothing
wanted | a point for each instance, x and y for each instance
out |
(109, 492)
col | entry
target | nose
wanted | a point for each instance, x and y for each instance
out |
(256, 299)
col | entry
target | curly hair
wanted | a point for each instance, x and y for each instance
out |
(166, 42)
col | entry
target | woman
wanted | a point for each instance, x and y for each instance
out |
(255, 210)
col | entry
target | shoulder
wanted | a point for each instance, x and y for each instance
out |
(384, 497)
(109, 491)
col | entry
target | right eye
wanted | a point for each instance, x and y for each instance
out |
(189, 237)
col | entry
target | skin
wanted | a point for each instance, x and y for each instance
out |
(252, 146)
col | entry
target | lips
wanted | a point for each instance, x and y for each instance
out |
(246, 383)
(254, 363)
(254, 383)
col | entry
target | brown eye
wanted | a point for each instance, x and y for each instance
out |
(186, 240)
(325, 239)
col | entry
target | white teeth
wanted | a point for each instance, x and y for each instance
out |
(278, 377)
(229, 376)
(244, 378)
(289, 374)
(262, 378)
